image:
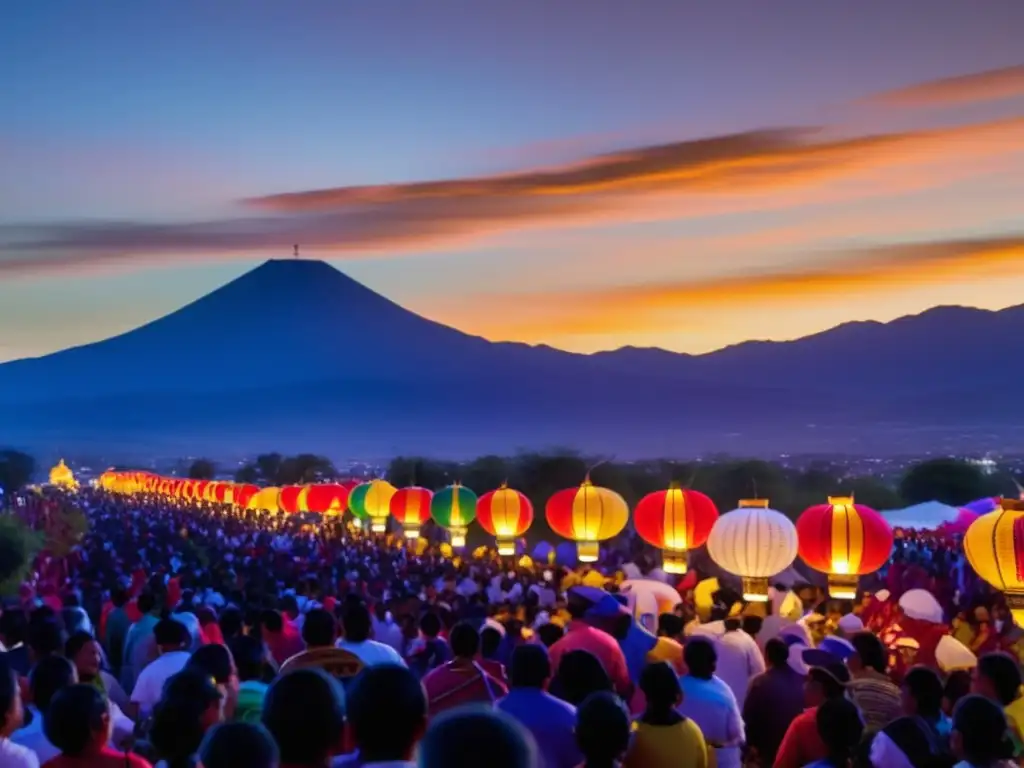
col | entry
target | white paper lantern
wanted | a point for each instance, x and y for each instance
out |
(754, 543)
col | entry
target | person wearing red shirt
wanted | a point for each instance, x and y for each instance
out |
(78, 723)
(802, 745)
(580, 636)
(463, 680)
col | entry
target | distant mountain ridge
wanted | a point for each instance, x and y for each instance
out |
(253, 360)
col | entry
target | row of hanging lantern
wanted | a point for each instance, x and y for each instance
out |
(841, 539)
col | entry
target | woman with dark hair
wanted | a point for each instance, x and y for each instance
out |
(191, 704)
(579, 674)
(841, 729)
(664, 738)
(83, 650)
(78, 724)
(216, 662)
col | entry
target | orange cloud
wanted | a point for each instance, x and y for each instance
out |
(657, 306)
(665, 181)
(991, 85)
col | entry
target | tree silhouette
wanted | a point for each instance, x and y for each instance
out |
(249, 474)
(950, 481)
(202, 469)
(16, 469)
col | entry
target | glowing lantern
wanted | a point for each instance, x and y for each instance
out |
(675, 521)
(372, 501)
(994, 546)
(292, 499)
(61, 475)
(506, 514)
(327, 498)
(587, 515)
(754, 543)
(845, 541)
(187, 490)
(243, 494)
(411, 507)
(267, 500)
(454, 508)
(199, 489)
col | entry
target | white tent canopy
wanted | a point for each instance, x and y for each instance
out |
(922, 517)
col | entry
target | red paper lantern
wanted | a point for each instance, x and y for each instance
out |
(587, 515)
(411, 507)
(845, 541)
(327, 498)
(243, 494)
(506, 514)
(675, 521)
(291, 499)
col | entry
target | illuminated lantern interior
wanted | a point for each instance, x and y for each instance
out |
(454, 508)
(411, 508)
(675, 520)
(994, 546)
(372, 502)
(506, 514)
(587, 515)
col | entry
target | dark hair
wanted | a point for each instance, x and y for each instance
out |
(8, 687)
(177, 729)
(1003, 672)
(983, 730)
(213, 660)
(602, 727)
(387, 710)
(832, 679)
(118, 596)
(660, 686)
(430, 624)
(45, 638)
(490, 641)
(925, 688)
(49, 676)
(958, 685)
(670, 625)
(229, 745)
(531, 666)
(170, 633)
(870, 650)
(840, 728)
(271, 621)
(701, 657)
(230, 622)
(579, 674)
(305, 712)
(320, 629)
(460, 737)
(146, 602)
(550, 633)
(248, 654)
(356, 621)
(13, 626)
(776, 653)
(73, 717)
(76, 643)
(465, 640)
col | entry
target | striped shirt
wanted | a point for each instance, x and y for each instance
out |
(878, 699)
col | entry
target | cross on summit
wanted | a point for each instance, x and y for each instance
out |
(295, 251)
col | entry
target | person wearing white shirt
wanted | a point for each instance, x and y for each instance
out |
(739, 660)
(172, 638)
(357, 625)
(386, 630)
(710, 703)
(49, 676)
(12, 755)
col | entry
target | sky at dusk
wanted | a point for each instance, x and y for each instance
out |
(583, 173)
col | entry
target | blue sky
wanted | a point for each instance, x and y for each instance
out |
(133, 134)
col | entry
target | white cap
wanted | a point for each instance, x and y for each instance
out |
(882, 595)
(851, 624)
(951, 655)
(922, 605)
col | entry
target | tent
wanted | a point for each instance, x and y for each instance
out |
(930, 516)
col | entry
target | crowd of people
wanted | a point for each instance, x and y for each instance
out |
(175, 635)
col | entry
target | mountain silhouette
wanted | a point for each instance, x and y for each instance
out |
(296, 355)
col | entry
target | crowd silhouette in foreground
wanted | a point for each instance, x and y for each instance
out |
(176, 637)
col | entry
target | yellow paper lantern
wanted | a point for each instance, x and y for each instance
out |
(994, 546)
(266, 500)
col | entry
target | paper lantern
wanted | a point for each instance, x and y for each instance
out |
(327, 498)
(587, 515)
(61, 475)
(675, 521)
(266, 500)
(754, 543)
(454, 508)
(843, 540)
(292, 499)
(506, 514)
(994, 546)
(243, 494)
(411, 507)
(372, 501)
